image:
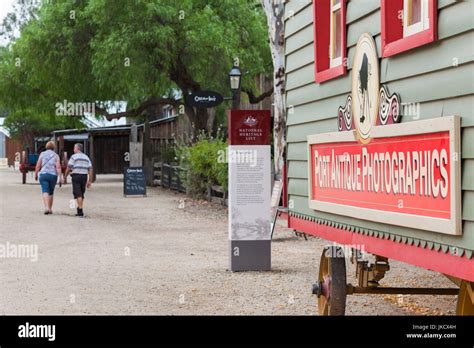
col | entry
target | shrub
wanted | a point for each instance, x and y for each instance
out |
(168, 155)
(204, 163)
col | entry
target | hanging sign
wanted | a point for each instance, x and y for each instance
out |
(378, 169)
(204, 99)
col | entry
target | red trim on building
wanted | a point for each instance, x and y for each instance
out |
(393, 41)
(322, 19)
(438, 261)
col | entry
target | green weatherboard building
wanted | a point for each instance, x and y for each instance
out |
(421, 66)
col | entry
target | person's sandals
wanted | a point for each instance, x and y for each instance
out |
(46, 212)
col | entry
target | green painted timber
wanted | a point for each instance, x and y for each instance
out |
(294, 7)
(439, 77)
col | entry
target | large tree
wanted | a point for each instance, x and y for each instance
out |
(135, 51)
(275, 9)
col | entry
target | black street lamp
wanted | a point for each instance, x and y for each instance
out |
(235, 77)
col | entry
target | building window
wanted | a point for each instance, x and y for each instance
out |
(407, 24)
(168, 111)
(336, 34)
(415, 17)
(329, 39)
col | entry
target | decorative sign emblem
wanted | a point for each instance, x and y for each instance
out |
(365, 86)
(389, 109)
(204, 99)
(369, 104)
(250, 121)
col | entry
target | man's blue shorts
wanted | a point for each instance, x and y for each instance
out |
(48, 182)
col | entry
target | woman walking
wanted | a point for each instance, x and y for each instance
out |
(49, 168)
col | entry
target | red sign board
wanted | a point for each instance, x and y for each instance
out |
(397, 178)
(408, 174)
(249, 127)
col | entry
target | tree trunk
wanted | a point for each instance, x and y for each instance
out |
(275, 9)
(146, 150)
(199, 118)
(211, 122)
(28, 141)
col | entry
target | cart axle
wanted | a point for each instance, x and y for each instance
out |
(401, 291)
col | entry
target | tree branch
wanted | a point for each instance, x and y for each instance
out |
(138, 110)
(180, 75)
(255, 100)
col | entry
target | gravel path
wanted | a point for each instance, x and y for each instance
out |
(164, 254)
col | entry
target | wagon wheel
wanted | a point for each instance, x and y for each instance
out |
(465, 305)
(332, 286)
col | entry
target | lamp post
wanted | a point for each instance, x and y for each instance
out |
(235, 77)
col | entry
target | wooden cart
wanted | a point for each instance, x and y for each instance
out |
(29, 160)
(331, 286)
(27, 164)
(377, 66)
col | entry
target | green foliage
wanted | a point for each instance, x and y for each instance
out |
(168, 155)
(205, 164)
(122, 50)
(26, 125)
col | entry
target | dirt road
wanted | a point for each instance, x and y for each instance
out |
(163, 254)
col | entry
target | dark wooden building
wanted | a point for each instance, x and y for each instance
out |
(65, 140)
(10, 148)
(109, 148)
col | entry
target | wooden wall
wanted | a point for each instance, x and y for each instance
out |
(109, 153)
(167, 132)
(425, 75)
(11, 148)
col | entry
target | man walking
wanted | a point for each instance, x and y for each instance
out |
(81, 167)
